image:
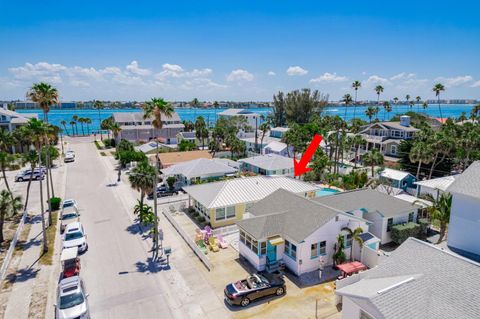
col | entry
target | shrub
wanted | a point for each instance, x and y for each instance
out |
(55, 203)
(103, 154)
(401, 232)
(97, 145)
(171, 182)
(200, 219)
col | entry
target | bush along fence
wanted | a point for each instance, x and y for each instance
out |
(401, 232)
(11, 249)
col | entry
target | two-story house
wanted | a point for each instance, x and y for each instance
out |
(386, 136)
(135, 128)
(253, 119)
(10, 120)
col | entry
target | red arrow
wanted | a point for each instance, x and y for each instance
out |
(301, 166)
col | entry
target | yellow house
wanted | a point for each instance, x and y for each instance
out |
(224, 203)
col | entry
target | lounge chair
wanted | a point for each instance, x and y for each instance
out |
(221, 242)
(212, 241)
(202, 246)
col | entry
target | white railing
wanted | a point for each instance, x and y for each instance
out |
(224, 231)
(11, 249)
(188, 240)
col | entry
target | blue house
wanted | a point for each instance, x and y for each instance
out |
(398, 179)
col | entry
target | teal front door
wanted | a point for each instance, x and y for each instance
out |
(271, 252)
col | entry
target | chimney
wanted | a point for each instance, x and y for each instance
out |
(405, 120)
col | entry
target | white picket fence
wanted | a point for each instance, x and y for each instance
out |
(11, 249)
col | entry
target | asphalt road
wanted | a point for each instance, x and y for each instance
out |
(115, 267)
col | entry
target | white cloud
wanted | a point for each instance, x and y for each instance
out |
(475, 84)
(202, 83)
(135, 69)
(329, 78)
(42, 70)
(375, 79)
(296, 70)
(176, 71)
(402, 76)
(454, 81)
(239, 75)
(271, 73)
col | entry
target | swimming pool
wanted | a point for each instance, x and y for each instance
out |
(325, 191)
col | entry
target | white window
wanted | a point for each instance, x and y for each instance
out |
(393, 149)
(230, 211)
(220, 213)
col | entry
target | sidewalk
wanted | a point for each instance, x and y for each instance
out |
(27, 296)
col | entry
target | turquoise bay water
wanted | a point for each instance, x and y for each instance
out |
(56, 116)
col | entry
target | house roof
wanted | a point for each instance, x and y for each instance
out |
(121, 117)
(276, 146)
(171, 158)
(227, 162)
(468, 183)
(394, 174)
(267, 139)
(233, 112)
(369, 199)
(188, 135)
(269, 162)
(412, 199)
(244, 190)
(199, 167)
(287, 214)
(419, 280)
(391, 125)
(441, 183)
(17, 118)
(280, 129)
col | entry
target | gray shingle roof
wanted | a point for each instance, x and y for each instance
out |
(468, 183)
(269, 162)
(284, 213)
(369, 199)
(421, 281)
(200, 167)
(122, 117)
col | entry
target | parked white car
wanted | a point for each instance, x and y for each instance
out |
(69, 157)
(69, 215)
(72, 299)
(67, 203)
(75, 236)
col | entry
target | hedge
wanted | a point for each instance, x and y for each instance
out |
(55, 203)
(401, 232)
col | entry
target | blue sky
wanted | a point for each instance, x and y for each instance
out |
(239, 50)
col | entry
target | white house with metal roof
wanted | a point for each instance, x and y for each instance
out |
(278, 148)
(418, 280)
(269, 165)
(463, 230)
(198, 170)
(298, 232)
(435, 186)
(253, 119)
(135, 128)
(398, 179)
(382, 210)
(225, 202)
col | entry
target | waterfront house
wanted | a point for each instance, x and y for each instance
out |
(10, 120)
(435, 186)
(418, 280)
(398, 179)
(270, 164)
(278, 132)
(463, 230)
(197, 171)
(135, 128)
(172, 158)
(279, 148)
(225, 202)
(382, 210)
(386, 136)
(188, 136)
(296, 231)
(253, 119)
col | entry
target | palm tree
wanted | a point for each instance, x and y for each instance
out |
(462, 117)
(407, 97)
(31, 158)
(81, 120)
(370, 112)
(195, 102)
(201, 131)
(347, 99)
(386, 108)
(116, 129)
(411, 104)
(395, 100)
(216, 105)
(264, 127)
(75, 120)
(64, 124)
(378, 89)
(98, 105)
(357, 141)
(156, 108)
(145, 214)
(438, 88)
(6, 162)
(439, 211)
(356, 85)
(475, 112)
(425, 105)
(88, 121)
(142, 179)
(420, 152)
(373, 158)
(72, 123)
(9, 205)
(355, 235)
(418, 99)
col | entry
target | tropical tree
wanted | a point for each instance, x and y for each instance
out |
(395, 100)
(442, 144)
(88, 121)
(355, 235)
(201, 130)
(438, 88)
(357, 141)
(237, 147)
(195, 102)
(278, 115)
(411, 104)
(216, 104)
(30, 158)
(301, 105)
(425, 105)
(370, 112)
(264, 128)
(72, 123)
(462, 117)
(418, 99)
(475, 113)
(116, 129)
(421, 152)
(145, 213)
(188, 126)
(64, 124)
(9, 205)
(75, 120)
(439, 211)
(214, 146)
(81, 120)
(142, 179)
(378, 90)
(99, 105)
(373, 158)
(7, 161)
(386, 108)
(347, 99)
(407, 98)
(356, 85)
(106, 124)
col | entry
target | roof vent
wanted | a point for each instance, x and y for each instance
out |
(405, 120)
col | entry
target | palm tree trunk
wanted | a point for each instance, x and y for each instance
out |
(28, 188)
(433, 165)
(443, 229)
(42, 214)
(48, 190)
(439, 107)
(51, 182)
(6, 181)
(2, 220)
(373, 172)
(418, 169)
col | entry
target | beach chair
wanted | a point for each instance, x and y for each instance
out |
(212, 241)
(221, 242)
(202, 246)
